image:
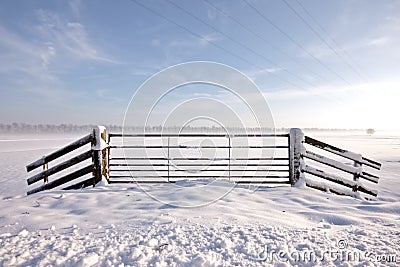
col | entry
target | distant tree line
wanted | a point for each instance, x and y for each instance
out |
(49, 128)
(73, 128)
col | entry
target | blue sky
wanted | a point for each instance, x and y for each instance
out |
(332, 64)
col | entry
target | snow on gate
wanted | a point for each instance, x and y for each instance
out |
(253, 158)
(240, 158)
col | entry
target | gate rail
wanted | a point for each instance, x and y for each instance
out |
(291, 164)
(165, 168)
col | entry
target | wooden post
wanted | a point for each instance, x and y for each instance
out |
(99, 148)
(45, 168)
(168, 156)
(108, 158)
(356, 176)
(104, 154)
(229, 157)
(296, 148)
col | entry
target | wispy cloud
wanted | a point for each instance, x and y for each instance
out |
(358, 38)
(254, 74)
(143, 71)
(47, 55)
(38, 52)
(361, 88)
(379, 41)
(52, 40)
(207, 39)
(10, 40)
(70, 38)
(176, 50)
(193, 42)
(20, 55)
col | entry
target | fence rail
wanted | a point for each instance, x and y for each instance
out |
(224, 164)
(341, 152)
(118, 159)
(61, 152)
(356, 169)
(94, 153)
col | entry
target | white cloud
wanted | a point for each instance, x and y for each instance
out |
(379, 41)
(142, 72)
(254, 74)
(334, 91)
(178, 50)
(32, 59)
(358, 35)
(51, 41)
(70, 38)
(47, 55)
(212, 37)
(20, 55)
(10, 40)
(193, 42)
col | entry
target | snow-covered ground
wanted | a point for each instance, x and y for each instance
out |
(122, 225)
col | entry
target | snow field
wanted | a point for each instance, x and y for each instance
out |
(122, 225)
(194, 244)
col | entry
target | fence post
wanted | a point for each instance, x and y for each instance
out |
(45, 168)
(296, 149)
(229, 156)
(356, 176)
(168, 156)
(99, 148)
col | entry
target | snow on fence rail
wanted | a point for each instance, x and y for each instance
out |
(356, 170)
(116, 158)
(166, 158)
(97, 152)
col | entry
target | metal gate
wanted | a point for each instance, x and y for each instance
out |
(163, 158)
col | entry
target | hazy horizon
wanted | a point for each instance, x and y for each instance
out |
(16, 127)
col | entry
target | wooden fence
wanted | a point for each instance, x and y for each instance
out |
(111, 161)
(302, 160)
(97, 152)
